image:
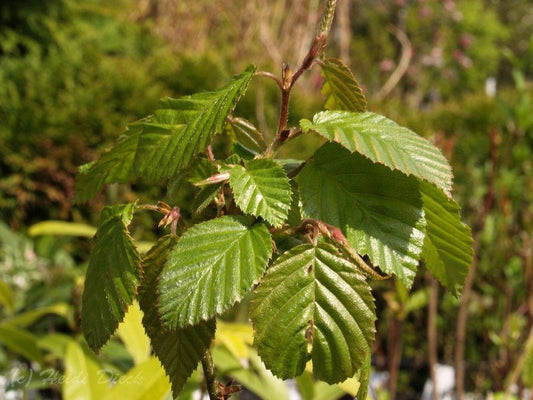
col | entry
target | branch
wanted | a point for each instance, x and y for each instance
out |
(209, 373)
(403, 64)
(462, 315)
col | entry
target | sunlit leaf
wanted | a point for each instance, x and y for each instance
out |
(112, 276)
(163, 144)
(262, 189)
(313, 304)
(380, 211)
(448, 244)
(83, 379)
(236, 337)
(146, 381)
(185, 128)
(61, 228)
(213, 265)
(340, 87)
(383, 141)
(131, 332)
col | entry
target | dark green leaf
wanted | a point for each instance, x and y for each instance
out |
(312, 303)
(213, 265)
(262, 189)
(380, 211)
(340, 87)
(112, 276)
(383, 141)
(178, 350)
(185, 128)
(448, 244)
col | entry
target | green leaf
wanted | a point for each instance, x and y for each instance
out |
(364, 379)
(383, 141)
(205, 197)
(25, 319)
(201, 170)
(262, 189)
(145, 381)
(61, 228)
(178, 350)
(165, 143)
(213, 265)
(112, 276)
(380, 211)
(247, 135)
(182, 130)
(340, 87)
(527, 372)
(116, 165)
(448, 244)
(21, 342)
(7, 297)
(83, 379)
(312, 303)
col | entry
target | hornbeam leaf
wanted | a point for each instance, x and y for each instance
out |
(185, 128)
(380, 211)
(447, 247)
(178, 350)
(262, 189)
(116, 165)
(112, 276)
(340, 87)
(312, 303)
(213, 265)
(161, 145)
(383, 141)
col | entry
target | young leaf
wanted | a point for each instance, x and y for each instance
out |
(447, 247)
(205, 196)
(116, 165)
(312, 303)
(178, 350)
(213, 265)
(383, 141)
(262, 189)
(112, 276)
(380, 211)
(247, 135)
(185, 128)
(340, 87)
